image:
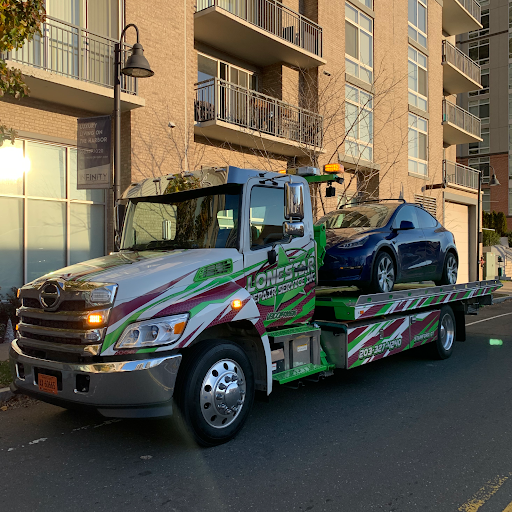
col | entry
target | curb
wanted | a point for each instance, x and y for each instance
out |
(5, 394)
(501, 299)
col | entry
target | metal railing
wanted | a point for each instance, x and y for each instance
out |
(461, 61)
(274, 17)
(74, 52)
(472, 6)
(220, 100)
(462, 118)
(459, 174)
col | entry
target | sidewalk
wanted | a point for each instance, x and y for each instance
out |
(4, 351)
(504, 293)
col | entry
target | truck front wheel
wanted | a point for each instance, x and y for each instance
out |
(215, 391)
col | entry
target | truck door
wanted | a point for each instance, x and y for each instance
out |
(284, 289)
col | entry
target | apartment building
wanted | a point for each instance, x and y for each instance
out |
(252, 83)
(491, 47)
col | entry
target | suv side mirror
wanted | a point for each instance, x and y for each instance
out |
(293, 201)
(406, 224)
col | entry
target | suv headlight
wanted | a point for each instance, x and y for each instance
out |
(154, 332)
(358, 242)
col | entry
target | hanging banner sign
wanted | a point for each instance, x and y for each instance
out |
(94, 136)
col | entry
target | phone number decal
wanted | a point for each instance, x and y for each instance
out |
(375, 350)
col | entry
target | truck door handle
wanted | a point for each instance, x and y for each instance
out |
(301, 269)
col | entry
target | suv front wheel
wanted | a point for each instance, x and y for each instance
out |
(384, 273)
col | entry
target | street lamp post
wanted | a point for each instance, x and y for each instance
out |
(492, 183)
(138, 67)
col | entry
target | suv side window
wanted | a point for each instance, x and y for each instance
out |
(267, 216)
(425, 219)
(406, 213)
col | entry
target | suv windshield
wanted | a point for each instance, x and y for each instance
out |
(196, 219)
(364, 216)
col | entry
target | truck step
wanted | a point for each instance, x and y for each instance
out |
(299, 373)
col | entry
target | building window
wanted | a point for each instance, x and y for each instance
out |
(47, 222)
(479, 51)
(486, 200)
(476, 148)
(418, 145)
(484, 80)
(358, 44)
(418, 21)
(418, 79)
(480, 108)
(358, 123)
(484, 20)
(481, 164)
(208, 68)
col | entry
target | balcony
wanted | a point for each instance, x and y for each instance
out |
(236, 115)
(460, 16)
(460, 73)
(459, 126)
(460, 175)
(259, 31)
(71, 66)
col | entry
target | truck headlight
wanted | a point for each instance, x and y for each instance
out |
(154, 332)
(358, 242)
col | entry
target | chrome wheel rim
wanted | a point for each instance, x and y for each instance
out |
(447, 332)
(222, 393)
(386, 274)
(451, 269)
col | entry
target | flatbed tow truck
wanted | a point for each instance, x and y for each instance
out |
(212, 298)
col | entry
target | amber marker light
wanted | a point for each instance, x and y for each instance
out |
(94, 318)
(282, 171)
(333, 168)
(179, 327)
(236, 304)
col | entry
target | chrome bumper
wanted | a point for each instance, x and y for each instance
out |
(139, 388)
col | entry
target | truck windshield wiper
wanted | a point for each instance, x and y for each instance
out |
(158, 244)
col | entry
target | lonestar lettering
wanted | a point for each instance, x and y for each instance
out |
(287, 279)
(421, 337)
(375, 350)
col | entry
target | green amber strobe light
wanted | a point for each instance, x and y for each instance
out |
(495, 342)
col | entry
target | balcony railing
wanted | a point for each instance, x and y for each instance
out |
(274, 17)
(458, 174)
(74, 52)
(472, 6)
(461, 118)
(461, 61)
(223, 101)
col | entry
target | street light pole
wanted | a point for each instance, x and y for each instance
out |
(138, 67)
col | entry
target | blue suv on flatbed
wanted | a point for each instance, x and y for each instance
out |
(377, 244)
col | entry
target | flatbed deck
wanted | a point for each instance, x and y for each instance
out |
(348, 303)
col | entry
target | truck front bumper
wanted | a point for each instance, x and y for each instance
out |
(127, 389)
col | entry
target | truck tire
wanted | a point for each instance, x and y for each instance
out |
(215, 391)
(442, 348)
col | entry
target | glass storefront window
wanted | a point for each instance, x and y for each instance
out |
(41, 207)
(11, 247)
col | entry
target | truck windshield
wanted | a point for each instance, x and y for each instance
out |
(364, 216)
(197, 219)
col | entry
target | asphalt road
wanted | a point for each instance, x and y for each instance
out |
(404, 434)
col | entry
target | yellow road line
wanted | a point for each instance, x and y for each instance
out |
(509, 507)
(483, 495)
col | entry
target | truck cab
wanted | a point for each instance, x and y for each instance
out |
(208, 261)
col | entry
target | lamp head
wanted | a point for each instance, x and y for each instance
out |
(137, 65)
(493, 181)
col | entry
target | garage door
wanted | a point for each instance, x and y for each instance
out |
(456, 220)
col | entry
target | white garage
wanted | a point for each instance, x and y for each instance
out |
(456, 220)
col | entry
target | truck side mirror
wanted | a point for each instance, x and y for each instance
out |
(293, 229)
(119, 212)
(293, 201)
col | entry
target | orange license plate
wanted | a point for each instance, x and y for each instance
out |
(47, 383)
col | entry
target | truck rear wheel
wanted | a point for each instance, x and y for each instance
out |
(443, 346)
(215, 391)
